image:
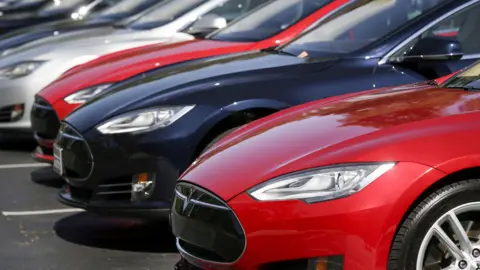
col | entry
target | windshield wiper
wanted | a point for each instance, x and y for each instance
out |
(432, 82)
(273, 50)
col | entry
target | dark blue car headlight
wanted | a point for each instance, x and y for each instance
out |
(144, 120)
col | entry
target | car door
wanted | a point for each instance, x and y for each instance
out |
(460, 28)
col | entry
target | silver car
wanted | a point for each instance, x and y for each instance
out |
(27, 69)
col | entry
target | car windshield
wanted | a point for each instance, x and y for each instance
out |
(233, 9)
(468, 79)
(120, 8)
(167, 12)
(64, 4)
(269, 20)
(359, 27)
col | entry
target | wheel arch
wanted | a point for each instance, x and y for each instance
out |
(233, 115)
(461, 174)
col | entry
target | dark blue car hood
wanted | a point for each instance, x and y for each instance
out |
(158, 87)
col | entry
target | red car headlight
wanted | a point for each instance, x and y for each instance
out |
(320, 184)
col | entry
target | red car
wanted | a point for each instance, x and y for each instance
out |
(383, 179)
(272, 24)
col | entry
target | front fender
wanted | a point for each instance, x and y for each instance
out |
(216, 116)
(459, 164)
(255, 104)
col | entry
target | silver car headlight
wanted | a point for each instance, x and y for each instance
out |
(144, 120)
(86, 94)
(20, 69)
(320, 184)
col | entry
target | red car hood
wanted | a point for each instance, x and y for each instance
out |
(319, 134)
(124, 64)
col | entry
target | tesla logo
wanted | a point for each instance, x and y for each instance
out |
(186, 202)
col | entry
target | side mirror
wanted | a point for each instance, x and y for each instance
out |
(435, 48)
(206, 25)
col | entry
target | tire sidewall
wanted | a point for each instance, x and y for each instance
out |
(448, 199)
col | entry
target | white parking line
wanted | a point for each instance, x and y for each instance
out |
(24, 165)
(42, 212)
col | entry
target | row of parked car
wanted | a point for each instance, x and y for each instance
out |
(272, 134)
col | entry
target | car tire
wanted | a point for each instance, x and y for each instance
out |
(218, 138)
(407, 243)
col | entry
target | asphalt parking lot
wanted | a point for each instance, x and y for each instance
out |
(39, 233)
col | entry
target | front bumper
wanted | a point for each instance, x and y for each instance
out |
(45, 124)
(352, 233)
(99, 171)
(149, 210)
(18, 93)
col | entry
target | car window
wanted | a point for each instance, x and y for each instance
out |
(359, 27)
(124, 6)
(469, 78)
(167, 12)
(461, 26)
(59, 5)
(92, 8)
(232, 9)
(269, 20)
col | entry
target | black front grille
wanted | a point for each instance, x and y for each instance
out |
(117, 189)
(76, 155)
(185, 265)
(205, 225)
(45, 122)
(7, 113)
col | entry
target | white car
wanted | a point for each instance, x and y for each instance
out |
(27, 69)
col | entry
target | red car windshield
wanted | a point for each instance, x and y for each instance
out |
(268, 20)
(469, 79)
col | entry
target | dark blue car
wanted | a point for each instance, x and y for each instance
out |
(122, 152)
(102, 13)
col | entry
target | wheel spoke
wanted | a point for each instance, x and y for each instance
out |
(447, 242)
(460, 233)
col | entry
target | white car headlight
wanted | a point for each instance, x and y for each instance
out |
(320, 184)
(143, 120)
(86, 94)
(20, 69)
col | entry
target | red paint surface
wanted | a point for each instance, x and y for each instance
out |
(426, 129)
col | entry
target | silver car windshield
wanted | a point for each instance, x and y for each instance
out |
(122, 7)
(167, 12)
(269, 20)
(64, 4)
(359, 27)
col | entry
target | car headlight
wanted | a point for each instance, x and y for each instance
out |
(144, 120)
(86, 94)
(320, 184)
(20, 69)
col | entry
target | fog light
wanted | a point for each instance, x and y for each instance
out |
(143, 185)
(17, 112)
(327, 263)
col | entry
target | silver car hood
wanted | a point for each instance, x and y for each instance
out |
(103, 37)
(79, 51)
